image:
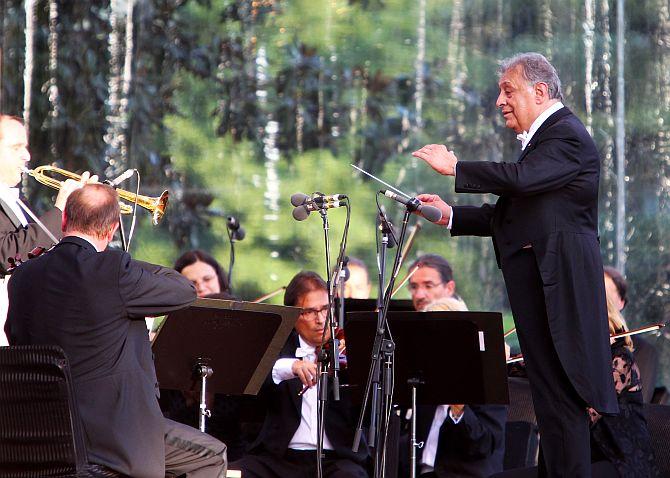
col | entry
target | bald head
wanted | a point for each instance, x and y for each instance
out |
(92, 210)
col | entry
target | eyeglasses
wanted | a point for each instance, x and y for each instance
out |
(314, 312)
(428, 286)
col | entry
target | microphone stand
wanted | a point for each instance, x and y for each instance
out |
(327, 356)
(380, 376)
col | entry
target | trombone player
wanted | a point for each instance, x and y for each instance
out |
(18, 236)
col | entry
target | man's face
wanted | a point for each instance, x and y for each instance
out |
(312, 320)
(358, 285)
(14, 153)
(517, 100)
(613, 293)
(426, 286)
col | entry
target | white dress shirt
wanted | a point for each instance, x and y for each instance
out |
(10, 197)
(305, 437)
(524, 137)
(527, 136)
(430, 447)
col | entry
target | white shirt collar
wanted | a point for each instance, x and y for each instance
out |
(305, 349)
(525, 137)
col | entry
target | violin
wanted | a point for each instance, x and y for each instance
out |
(16, 261)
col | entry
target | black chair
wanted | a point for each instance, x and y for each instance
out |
(521, 434)
(40, 431)
(658, 423)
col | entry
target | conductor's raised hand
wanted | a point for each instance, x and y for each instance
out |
(439, 158)
(436, 201)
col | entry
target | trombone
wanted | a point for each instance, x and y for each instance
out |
(155, 205)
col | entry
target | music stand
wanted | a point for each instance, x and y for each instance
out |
(434, 349)
(238, 340)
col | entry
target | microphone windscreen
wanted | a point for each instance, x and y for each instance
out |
(298, 199)
(300, 213)
(431, 213)
(240, 233)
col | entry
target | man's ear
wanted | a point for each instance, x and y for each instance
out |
(112, 231)
(451, 288)
(541, 92)
(63, 222)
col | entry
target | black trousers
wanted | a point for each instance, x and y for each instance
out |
(297, 464)
(191, 453)
(561, 414)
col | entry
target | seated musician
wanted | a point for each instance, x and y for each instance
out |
(92, 301)
(286, 446)
(205, 273)
(357, 285)
(225, 424)
(460, 440)
(623, 439)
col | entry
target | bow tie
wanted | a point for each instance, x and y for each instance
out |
(301, 352)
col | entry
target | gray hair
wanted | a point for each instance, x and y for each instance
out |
(536, 69)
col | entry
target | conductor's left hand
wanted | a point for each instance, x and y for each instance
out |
(439, 158)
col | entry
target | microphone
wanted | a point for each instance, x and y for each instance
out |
(431, 213)
(298, 199)
(386, 227)
(300, 213)
(237, 232)
(121, 178)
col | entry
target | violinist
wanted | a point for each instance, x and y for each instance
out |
(357, 285)
(460, 439)
(623, 439)
(19, 236)
(287, 442)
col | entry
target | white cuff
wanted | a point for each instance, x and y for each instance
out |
(451, 218)
(283, 370)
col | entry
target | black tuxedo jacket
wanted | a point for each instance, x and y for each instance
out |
(93, 305)
(474, 447)
(16, 240)
(283, 415)
(549, 201)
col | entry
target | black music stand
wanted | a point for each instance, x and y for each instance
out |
(240, 341)
(453, 357)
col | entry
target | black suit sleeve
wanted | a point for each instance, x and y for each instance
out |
(477, 435)
(472, 220)
(21, 241)
(150, 290)
(554, 163)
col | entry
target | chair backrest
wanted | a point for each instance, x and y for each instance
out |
(520, 401)
(40, 430)
(658, 423)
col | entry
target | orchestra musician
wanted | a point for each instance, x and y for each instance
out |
(544, 228)
(18, 235)
(205, 273)
(287, 442)
(459, 440)
(92, 302)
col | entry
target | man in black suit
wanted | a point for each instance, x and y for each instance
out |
(19, 236)
(459, 440)
(545, 235)
(92, 302)
(287, 443)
